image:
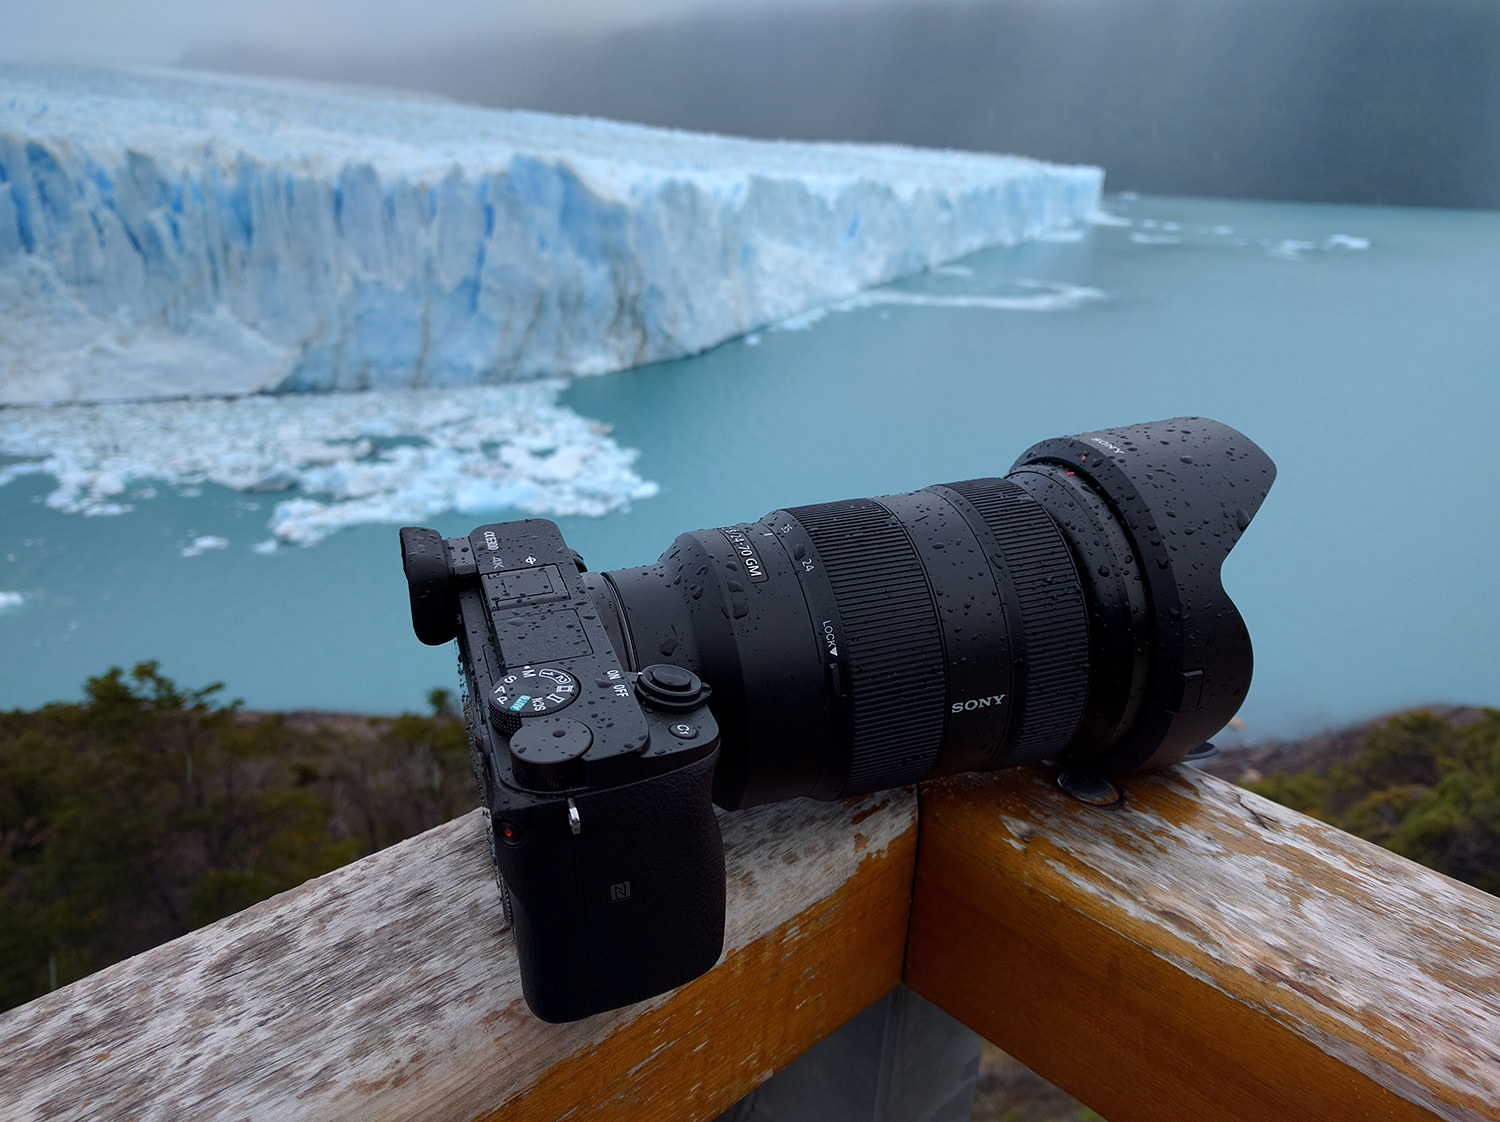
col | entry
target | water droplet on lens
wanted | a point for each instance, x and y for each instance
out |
(1187, 459)
(1242, 518)
(1104, 570)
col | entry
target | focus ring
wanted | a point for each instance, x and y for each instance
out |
(1054, 618)
(894, 651)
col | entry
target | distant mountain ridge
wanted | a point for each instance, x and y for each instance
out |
(1352, 101)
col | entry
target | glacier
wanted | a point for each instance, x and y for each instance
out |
(167, 234)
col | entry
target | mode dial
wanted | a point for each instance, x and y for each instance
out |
(531, 691)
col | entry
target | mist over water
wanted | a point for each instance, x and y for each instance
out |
(1357, 345)
(1369, 101)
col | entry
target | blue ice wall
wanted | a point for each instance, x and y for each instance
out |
(167, 234)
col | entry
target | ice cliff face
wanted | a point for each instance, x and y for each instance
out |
(167, 234)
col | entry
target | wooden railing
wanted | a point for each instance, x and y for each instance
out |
(1196, 953)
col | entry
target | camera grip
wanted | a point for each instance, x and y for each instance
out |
(625, 908)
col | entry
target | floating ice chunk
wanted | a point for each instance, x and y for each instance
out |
(1051, 296)
(1155, 239)
(954, 271)
(203, 544)
(1291, 248)
(167, 233)
(1065, 235)
(1101, 217)
(9, 600)
(379, 456)
(802, 322)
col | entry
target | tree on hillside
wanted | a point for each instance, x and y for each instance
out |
(1421, 786)
(147, 810)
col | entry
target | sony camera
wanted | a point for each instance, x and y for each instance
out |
(1071, 610)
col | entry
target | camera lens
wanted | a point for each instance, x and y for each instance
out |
(1070, 610)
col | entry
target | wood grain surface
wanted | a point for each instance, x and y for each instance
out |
(1202, 953)
(389, 990)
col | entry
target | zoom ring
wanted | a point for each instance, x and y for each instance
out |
(1054, 618)
(893, 650)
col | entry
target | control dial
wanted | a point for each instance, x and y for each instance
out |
(544, 755)
(531, 691)
(664, 686)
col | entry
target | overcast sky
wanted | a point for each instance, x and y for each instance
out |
(158, 31)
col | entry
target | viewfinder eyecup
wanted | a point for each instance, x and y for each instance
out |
(429, 582)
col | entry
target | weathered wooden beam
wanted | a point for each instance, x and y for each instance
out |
(389, 989)
(1202, 953)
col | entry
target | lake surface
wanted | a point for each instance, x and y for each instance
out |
(1359, 346)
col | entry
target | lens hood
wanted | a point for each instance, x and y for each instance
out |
(1183, 491)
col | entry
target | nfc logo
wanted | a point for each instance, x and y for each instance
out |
(618, 892)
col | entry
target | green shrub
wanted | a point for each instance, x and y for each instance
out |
(147, 810)
(1421, 786)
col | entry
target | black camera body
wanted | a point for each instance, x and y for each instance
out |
(1071, 610)
(597, 778)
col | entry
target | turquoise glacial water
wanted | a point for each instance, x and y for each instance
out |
(1359, 346)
